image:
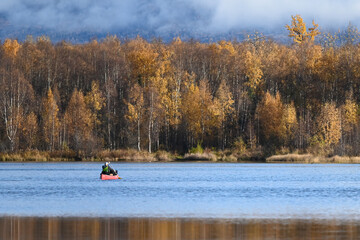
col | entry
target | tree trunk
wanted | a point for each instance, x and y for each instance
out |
(150, 120)
(138, 135)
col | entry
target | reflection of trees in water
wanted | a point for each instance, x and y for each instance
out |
(12, 228)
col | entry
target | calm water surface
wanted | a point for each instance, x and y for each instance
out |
(182, 190)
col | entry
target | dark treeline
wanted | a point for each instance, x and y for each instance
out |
(255, 94)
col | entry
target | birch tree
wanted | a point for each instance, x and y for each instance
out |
(15, 98)
(50, 120)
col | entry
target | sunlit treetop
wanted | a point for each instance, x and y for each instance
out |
(298, 30)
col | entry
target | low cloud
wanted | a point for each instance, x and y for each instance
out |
(208, 16)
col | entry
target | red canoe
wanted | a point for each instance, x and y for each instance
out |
(109, 177)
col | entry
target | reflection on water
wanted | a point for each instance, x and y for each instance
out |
(38, 228)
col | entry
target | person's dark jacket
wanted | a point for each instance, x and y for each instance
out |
(108, 170)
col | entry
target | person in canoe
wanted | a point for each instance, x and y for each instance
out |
(106, 169)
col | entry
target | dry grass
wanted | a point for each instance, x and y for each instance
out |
(130, 155)
(206, 156)
(289, 158)
(35, 156)
(66, 154)
(250, 155)
(9, 157)
(342, 159)
(39, 156)
(309, 158)
(164, 156)
(226, 156)
(26, 156)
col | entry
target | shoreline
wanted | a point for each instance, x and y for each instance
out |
(133, 156)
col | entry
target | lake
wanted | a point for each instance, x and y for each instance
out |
(239, 193)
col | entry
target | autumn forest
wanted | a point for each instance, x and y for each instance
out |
(257, 95)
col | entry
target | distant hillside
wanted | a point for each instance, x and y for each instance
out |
(167, 35)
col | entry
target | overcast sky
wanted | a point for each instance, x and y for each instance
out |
(206, 15)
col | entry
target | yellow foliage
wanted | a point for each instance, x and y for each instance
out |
(253, 70)
(135, 104)
(276, 119)
(313, 31)
(270, 114)
(95, 102)
(191, 109)
(298, 30)
(30, 129)
(143, 60)
(351, 35)
(50, 119)
(240, 146)
(289, 120)
(349, 115)
(95, 98)
(329, 124)
(325, 66)
(209, 113)
(224, 102)
(198, 110)
(132, 113)
(11, 48)
(174, 109)
(78, 120)
(228, 46)
(177, 40)
(313, 56)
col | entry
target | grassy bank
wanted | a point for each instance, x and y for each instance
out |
(38, 156)
(310, 158)
(131, 155)
(70, 156)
